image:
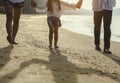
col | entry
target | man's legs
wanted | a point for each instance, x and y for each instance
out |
(97, 28)
(107, 31)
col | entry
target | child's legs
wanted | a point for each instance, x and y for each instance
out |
(50, 35)
(17, 13)
(55, 36)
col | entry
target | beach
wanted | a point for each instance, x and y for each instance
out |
(75, 61)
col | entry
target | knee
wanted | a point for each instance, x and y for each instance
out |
(107, 30)
(107, 27)
(51, 31)
(56, 29)
(16, 21)
(97, 28)
(9, 16)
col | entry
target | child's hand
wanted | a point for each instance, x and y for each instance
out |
(33, 4)
(79, 3)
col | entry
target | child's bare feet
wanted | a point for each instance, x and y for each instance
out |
(56, 46)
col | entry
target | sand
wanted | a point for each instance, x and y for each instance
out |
(75, 61)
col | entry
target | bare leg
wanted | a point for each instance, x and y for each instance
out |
(17, 13)
(9, 17)
(55, 37)
(50, 36)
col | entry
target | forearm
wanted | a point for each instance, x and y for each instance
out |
(79, 4)
(69, 5)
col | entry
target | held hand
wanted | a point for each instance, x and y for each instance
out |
(79, 3)
(33, 4)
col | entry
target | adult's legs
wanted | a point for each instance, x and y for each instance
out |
(9, 17)
(17, 13)
(107, 31)
(97, 28)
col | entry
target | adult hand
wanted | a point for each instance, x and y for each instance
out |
(79, 3)
(33, 4)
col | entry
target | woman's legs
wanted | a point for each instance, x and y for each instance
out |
(9, 17)
(17, 13)
(12, 14)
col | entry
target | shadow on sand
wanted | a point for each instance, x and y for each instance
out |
(113, 57)
(62, 70)
(5, 55)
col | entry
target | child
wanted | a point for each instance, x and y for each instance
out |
(13, 12)
(54, 8)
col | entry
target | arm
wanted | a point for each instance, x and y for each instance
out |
(33, 4)
(38, 4)
(71, 6)
(68, 5)
(79, 4)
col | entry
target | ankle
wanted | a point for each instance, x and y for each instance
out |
(107, 51)
(97, 47)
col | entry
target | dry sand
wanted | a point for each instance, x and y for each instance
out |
(75, 61)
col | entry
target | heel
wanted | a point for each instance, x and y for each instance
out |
(9, 39)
